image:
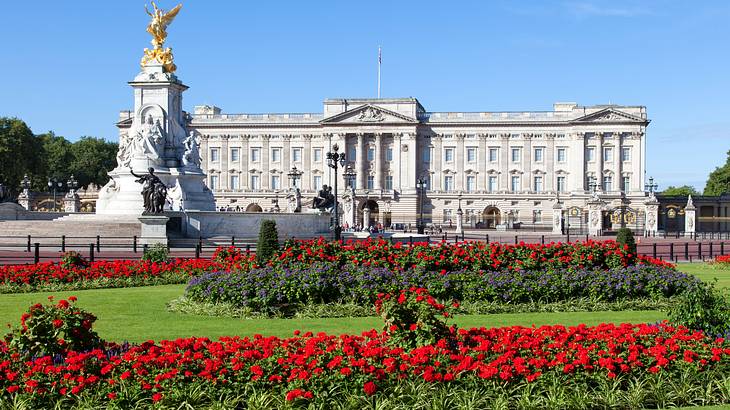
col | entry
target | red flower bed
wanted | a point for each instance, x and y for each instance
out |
(306, 366)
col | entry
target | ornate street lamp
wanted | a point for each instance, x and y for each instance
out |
(421, 185)
(25, 183)
(334, 161)
(294, 176)
(651, 186)
(349, 175)
(72, 184)
(54, 185)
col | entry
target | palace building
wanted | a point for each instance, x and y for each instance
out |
(516, 169)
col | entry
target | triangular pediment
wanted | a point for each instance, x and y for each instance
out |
(610, 115)
(369, 114)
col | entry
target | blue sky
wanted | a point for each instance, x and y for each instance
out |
(65, 64)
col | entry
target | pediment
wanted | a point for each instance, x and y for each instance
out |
(369, 114)
(610, 115)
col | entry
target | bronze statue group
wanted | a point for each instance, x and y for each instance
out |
(154, 191)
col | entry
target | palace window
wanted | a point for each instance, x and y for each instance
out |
(215, 155)
(371, 154)
(317, 155)
(275, 182)
(275, 154)
(607, 183)
(389, 154)
(626, 183)
(371, 182)
(561, 184)
(214, 182)
(317, 182)
(235, 154)
(538, 183)
(493, 154)
(471, 183)
(539, 154)
(255, 182)
(562, 154)
(590, 154)
(515, 155)
(389, 182)
(427, 154)
(296, 155)
(607, 154)
(449, 155)
(447, 215)
(515, 183)
(351, 153)
(471, 154)
(625, 154)
(448, 183)
(492, 183)
(234, 182)
(255, 155)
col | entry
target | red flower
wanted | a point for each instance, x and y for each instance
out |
(156, 397)
(57, 323)
(370, 388)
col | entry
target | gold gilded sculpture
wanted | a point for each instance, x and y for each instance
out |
(157, 28)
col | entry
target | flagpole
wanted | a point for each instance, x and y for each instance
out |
(380, 60)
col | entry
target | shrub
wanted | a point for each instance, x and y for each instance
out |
(625, 237)
(156, 253)
(703, 308)
(414, 318)
(54, 329)
(268, 243)
(73, 259)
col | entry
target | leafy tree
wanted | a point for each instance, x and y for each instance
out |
(19, 153)
(268, 242)
(718, 182)
(57, 154)
(92, 158)
(683, 190)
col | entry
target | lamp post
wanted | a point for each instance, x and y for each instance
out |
(72, 184)
(334, 161)
(350, 175)
(421, 185)
(25, 183)
(294, 176)
(651, 186)
(53, 185)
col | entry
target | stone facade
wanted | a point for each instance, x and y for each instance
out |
(500, 168)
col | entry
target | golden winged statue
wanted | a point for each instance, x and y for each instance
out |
(158, 29)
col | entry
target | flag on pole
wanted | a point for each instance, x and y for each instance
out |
(380, 55)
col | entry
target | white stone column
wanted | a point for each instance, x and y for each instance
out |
(360, 166)
(550, 179)
(527, 163)
(396, 169)
(557, 218)
(599, 160)
(307, 166)
(690, 221)
(504, 162)
(412, 164)
(482, 156)
(459, 221)
(595, 218)
(245, 177)
(651, 212)
(366, 218)
(265, 168)
(378, 160)
(437, 158)
(459, 180)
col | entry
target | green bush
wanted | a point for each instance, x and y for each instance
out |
(626, 237)
(156, 253)
(268, 243)
(53, 329)
(702, 308)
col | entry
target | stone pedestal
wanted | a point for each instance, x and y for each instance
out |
(595, 217)
(154, 229)
(690, 220)
(459, 221)
(557, 219)
(71, 202)
(651, 212)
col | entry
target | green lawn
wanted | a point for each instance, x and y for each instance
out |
(139, 314)
(706, 273)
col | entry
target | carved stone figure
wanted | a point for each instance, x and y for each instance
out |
(371, 114)
(154, 191)
(123, 153)
(594, 219)
(148, 141)
(191, 155)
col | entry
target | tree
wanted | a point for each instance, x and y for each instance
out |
(57, 154)
(268, 242)
(92, 158)
(683, 190)
(20, 153)
(718, 182)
